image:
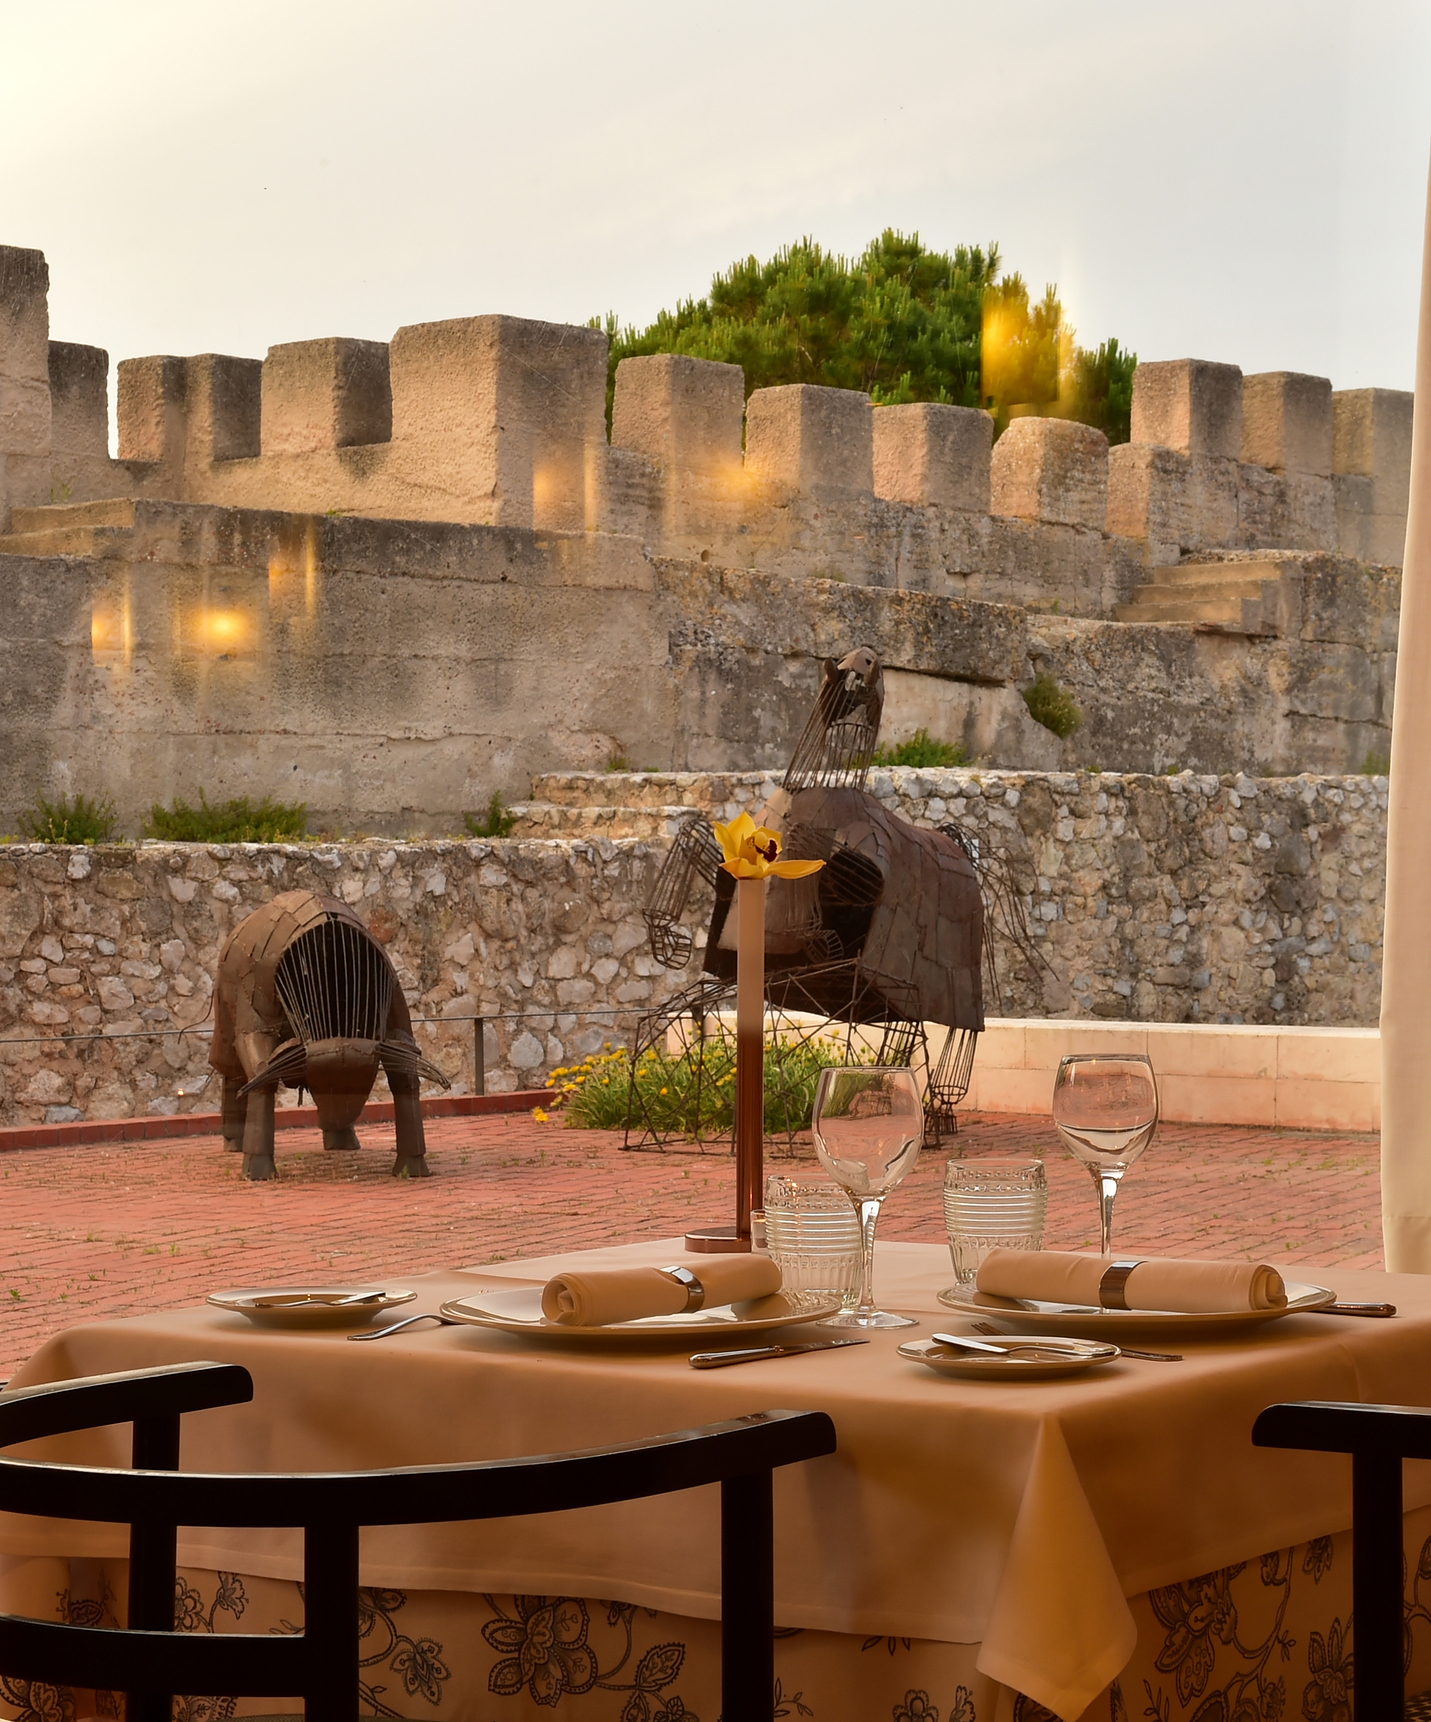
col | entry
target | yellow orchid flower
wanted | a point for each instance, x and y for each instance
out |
(752, 852)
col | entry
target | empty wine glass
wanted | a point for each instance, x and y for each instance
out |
(1105, 1105)
(868, 1127)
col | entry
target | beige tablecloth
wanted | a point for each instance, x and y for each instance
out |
(1018, 1518)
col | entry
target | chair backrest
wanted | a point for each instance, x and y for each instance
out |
(322, 1662)
(1378, 1438)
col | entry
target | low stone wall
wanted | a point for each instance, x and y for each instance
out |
(1155, 899)
(1158, 899)
(107, 954)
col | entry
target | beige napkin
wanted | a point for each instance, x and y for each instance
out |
(600, 1297)
(1158, 1282)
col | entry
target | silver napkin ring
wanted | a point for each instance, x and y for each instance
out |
(1115, 1277)
(695, 1291)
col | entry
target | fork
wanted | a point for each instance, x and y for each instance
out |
(1146, 1356)
(407, 1321)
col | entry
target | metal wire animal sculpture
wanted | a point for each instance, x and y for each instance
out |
(307, 998)
(888, 935)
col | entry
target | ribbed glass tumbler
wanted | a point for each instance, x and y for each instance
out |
(813, 1237)
(990, 1204)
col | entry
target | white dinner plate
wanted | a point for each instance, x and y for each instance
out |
(520, 1311)
(1056, 1354)
(310, 1306)
(1025, 1315)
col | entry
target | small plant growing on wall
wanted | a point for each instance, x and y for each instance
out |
(1376, 765)
(922, 750)
(496, 822)
(237, 821)
(1052, 705)
(83, 820)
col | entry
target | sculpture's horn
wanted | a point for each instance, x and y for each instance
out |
(404, 1056)
(288, 1062)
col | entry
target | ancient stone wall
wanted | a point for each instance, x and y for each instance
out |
(1152, 898)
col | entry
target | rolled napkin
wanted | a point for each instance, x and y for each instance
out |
(1157, 1282)
(602, 1296)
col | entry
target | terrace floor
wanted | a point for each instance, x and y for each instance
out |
(89, 1233)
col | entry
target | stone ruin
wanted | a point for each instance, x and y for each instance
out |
(388, 579)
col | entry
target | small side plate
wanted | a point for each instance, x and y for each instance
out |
(310, 1307)
(1046, 1357)
(520, 1311)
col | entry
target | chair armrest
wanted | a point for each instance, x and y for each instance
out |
(91, 1401)
(1329, 1426)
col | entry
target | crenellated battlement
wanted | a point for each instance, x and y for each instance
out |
(501, 421)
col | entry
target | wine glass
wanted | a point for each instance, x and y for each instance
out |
(1105, 1105)
(868, 1127)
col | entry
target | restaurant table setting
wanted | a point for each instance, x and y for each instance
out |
(1021, 1509)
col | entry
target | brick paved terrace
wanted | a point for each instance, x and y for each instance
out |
(94, 1232)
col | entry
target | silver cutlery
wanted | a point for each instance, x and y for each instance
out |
(1372, 1309)
(1145, 1356)
(296, 1300)
(407, 1321)
(1013, 1348)
(719, 1359)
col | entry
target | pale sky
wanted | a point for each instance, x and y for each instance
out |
(1240, 180)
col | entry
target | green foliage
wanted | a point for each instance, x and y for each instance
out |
(596, 1095)
(922, 750)
(1376, 764)
(1052, 705)
(237, 821)
(900, 322)
(83, 820)
(496, 822)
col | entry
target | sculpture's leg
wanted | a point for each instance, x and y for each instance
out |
(235, 1111)
(334, 1140)
(258, 1135)
(411, 1161)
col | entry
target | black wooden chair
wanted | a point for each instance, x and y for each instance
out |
(1378, 1437)
(150, 1661)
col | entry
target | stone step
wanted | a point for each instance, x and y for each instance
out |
(548, 820)
(1198, 573)
(1231, 614)
(65, 541)
(708, 791)
(116, 511)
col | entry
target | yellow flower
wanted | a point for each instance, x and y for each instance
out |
(540, 1116)
(752, 852)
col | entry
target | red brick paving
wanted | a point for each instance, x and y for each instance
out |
(93, 1232)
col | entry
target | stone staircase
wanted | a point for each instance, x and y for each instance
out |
(69, 529)
(652, 804)
(1255, 598)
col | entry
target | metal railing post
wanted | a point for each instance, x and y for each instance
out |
(479, 1055)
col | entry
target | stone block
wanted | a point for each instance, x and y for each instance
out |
(325, 394)
(1051, 469)
(151, 408)
(688, 414)
(222, 407)
(1191, 405)
(1372, 461)
(1175, 502)
(24, 315)
(1287, 422)
(79, 399)
(819, 442)
(930, 453)
(503, 418)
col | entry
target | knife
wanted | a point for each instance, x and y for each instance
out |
(719, 1359)
(1373, 1309)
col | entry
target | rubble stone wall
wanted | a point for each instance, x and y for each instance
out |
(1163, 899)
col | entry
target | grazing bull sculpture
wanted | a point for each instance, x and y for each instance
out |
(307, 998)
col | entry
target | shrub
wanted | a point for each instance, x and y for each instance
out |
(596, 1095)
(1052, 705)
(82, 820)
(922, 749)
(236, 821)
(496, 822)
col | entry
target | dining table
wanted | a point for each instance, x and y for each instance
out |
(1110, 1544)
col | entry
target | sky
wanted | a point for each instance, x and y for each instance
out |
(1244, 182)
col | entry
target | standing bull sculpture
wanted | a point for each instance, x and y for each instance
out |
(307, 998)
